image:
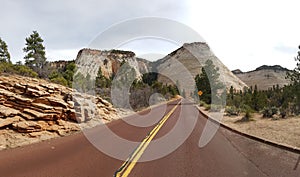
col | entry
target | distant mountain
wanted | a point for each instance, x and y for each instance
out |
(264, 77)
(180, 66)
(187, 61)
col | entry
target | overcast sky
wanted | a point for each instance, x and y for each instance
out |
(243, 34)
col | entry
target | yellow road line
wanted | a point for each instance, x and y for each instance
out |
(129, 164)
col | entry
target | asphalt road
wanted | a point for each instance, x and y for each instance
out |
(227, 154)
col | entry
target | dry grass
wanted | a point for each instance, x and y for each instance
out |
(284, 131)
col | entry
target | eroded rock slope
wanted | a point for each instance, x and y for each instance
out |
(33, 108)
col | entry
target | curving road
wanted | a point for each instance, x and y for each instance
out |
(227, 154)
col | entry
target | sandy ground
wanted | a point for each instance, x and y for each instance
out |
(284, 131)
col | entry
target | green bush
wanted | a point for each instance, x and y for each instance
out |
(283, 113)
(232, 111)
(215, 108)
(205, 105)
(60, 80)
(22, 70)
(202, 103)
(247, 117)
(269, 112)
(248, 114)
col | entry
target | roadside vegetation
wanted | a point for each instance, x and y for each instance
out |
(277, 102)
(274, 103)
(213, 92)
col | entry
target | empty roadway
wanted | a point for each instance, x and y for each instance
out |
(227, 154)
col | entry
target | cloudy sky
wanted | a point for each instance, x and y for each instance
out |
(243, 34)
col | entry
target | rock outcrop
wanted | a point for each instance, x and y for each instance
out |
(265, 77)
(89, 61)
(35, 107)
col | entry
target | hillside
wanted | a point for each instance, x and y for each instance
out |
(186, 62)
(264, 77)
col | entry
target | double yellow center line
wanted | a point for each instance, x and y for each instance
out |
(131, 161)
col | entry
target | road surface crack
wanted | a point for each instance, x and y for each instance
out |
(297, 163)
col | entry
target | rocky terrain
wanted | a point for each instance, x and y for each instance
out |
(32, 110)
(264, 77)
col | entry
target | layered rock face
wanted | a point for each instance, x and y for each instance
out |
(89, 61)
(265, 77)
(36, 107)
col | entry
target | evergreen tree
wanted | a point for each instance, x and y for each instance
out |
(295, 78)
(4, 54)
(101, 81)
(208, 82)
(35, 52)
(68, 74)
(295, 74)
(255, 99)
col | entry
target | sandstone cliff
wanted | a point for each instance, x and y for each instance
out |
(264, 77)
(89, 61)
(33, 109)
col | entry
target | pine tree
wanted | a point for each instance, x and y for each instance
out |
(295, 78)
(35, 52)
(295, 74)
(255, 99)
(208, 82)
(4, 54)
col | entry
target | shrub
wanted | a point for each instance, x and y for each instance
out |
(24, 71)
(17, 69)
(60, 80)
(232, 111)
(215, 108)
(202, 103)
(248, 115)
(274, 110)
(283, 113)
(269, 112)
(207, 107)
